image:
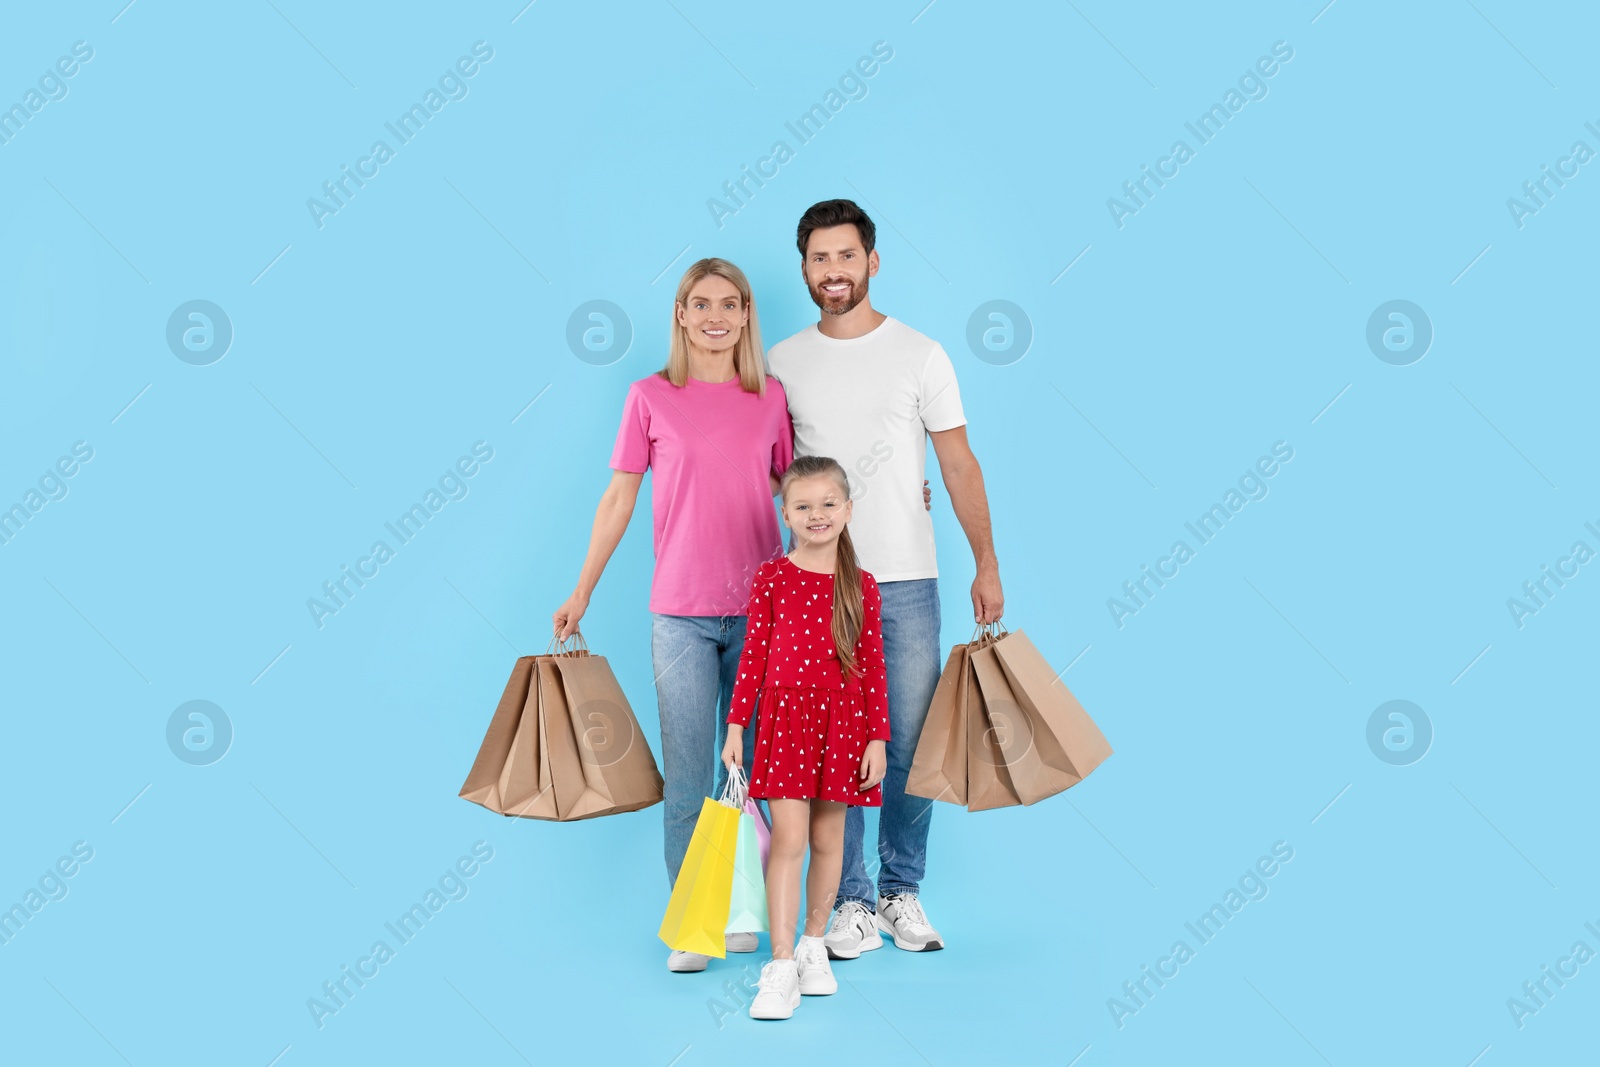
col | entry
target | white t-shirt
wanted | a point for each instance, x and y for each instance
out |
(869, 402)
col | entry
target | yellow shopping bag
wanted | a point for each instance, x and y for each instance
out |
(697, 913)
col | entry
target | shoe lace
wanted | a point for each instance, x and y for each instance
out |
(769, 981)
(908, 910)
(847, 915)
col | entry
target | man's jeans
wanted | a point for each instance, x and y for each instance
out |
(911, 647)
(696, 660)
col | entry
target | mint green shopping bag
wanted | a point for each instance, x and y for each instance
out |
(747, 906)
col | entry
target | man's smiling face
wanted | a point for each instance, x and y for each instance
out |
(836, 269)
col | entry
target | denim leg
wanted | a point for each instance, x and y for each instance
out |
(911, 648)
(729, 649)
(686, 655)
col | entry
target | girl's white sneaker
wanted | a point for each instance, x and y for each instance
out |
(816, 976)
(779, 991)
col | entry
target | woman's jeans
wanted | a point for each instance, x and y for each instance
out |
(696, 659)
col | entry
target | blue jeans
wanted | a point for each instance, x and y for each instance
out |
(696, 659)
(911, 647)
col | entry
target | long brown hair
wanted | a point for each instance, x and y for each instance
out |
(747, 351)
(849, 612)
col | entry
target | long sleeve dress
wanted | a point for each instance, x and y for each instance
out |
(812, 723)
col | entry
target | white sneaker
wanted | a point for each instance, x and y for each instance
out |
(900, 915)
(816, 976)
(743, 942)
(851, 933)
(779, 991)
(685, 962)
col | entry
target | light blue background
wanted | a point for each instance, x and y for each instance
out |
(1227, 315)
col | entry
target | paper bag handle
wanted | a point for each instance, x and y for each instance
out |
(737, 790)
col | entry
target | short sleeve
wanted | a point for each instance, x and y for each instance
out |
(783, 443)
(939, 398)
(632, 451)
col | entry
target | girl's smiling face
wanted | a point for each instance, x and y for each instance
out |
(816, 509)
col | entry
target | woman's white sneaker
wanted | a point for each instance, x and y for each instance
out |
(900, 916)
(779, 991)
(851, 933)
(740, 942)
(686, 962)
(816, 976)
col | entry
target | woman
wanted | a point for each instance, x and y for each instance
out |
(715, 431)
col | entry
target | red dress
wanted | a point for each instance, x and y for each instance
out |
(813, 724)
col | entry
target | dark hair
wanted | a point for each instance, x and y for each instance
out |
(822, 215)
(848, 610)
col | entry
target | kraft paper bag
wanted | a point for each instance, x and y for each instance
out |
(697, 912)
(1067, 740)
(989, 782)
(483, 781)
(1010, 739)
(563, 744)
(617, 767)
(560, 767)
(939, 766)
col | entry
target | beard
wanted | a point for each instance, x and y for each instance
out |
(833, 305)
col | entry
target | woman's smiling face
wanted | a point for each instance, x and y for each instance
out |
(713, 315)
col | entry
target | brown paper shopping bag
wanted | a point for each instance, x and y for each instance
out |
(1066, 739)
(614, 761)
(536, 762)
(1010, 739)
(939, 767)
(483, 784)
(991, 735)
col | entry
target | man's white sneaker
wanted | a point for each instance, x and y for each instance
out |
(816, 977)
(685, 962)
(900, 916)
(779, 991)
(851, 933)
(740, 942)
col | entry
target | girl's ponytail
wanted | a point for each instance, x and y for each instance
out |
(848, 611)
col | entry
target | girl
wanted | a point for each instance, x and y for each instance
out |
(813, 670)
(715, 431)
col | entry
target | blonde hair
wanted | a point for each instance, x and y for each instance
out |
(747, 361)
(848, 610)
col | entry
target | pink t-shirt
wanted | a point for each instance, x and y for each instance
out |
(711, 447)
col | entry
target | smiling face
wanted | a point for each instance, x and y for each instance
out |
(713, 316)
(836, 269)
(816, 509)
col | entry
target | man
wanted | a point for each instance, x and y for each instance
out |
(866, 389)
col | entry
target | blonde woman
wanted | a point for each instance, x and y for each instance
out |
(715, 432)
